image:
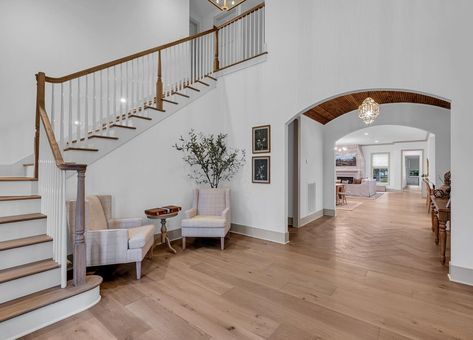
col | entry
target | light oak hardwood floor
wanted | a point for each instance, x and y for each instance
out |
(370, 273)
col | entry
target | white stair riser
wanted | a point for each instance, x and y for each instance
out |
(18, 188)
(24, 255)
(42, 317)
(12, 231)
(20, 207)
(14, 289)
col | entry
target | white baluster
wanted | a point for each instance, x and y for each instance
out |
(86, 120)
(61, 118)
(101, 100)
(53, 111)
(94, 104)
(78, 122)
(70, 123)
(108, 113)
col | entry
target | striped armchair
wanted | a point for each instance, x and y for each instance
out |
(109, 240)
(209, 215)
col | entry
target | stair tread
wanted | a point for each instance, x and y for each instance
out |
(29, 303)
(17, 179)
(26, 270)
(19, 198)
(124, 126)
(21, 218)
(80, 149)
(25, 241)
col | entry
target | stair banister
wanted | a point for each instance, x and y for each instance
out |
(51, 202)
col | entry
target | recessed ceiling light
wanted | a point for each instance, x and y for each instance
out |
(366, 133)
(123, 100)
(376, 141)
(344, 149)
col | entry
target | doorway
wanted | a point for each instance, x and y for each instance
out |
(412, 169)
(293, 155)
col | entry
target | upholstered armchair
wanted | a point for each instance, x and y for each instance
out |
(209, 215)
(110, 240)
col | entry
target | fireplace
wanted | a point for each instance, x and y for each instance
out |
(348, 180)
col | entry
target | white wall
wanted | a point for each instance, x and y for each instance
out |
(395, 159)
(311, 164)
(431, 157)
(63, 36)
(147, 171)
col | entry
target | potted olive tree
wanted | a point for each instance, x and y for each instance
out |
(209, 158)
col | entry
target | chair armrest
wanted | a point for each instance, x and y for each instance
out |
(106, 246)
(191, 213)
(226, 214)
(125, 223)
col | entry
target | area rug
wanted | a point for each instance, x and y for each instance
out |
(349, 206)
(376, 196)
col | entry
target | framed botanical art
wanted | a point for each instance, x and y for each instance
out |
(261, 169)
(262, 139)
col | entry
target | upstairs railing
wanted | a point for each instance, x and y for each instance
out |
(72, 108)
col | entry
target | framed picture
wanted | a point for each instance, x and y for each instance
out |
(261, 169)
(262, 139)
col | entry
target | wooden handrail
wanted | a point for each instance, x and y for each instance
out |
(241, 16)
(125, 59)
(148, 51)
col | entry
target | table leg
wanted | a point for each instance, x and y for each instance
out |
(164, 235)
(443, 240)
(436, 228)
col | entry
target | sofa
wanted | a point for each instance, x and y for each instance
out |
(366, 188)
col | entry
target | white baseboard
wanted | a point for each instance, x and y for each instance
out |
(262, 234)
(329, 212)
(461, 275)
(311, 218)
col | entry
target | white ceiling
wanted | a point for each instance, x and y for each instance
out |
(383, 134)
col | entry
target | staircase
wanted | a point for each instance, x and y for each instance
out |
(79, 119)
(31, 296)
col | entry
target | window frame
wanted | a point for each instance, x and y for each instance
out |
(377, 167)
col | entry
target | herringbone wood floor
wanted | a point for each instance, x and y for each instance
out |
(371, 273)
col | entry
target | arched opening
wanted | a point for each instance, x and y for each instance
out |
(325, 124)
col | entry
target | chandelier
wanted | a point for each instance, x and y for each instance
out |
(369, 111)
(226, 5)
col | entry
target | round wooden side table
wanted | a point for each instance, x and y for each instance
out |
(164, 228)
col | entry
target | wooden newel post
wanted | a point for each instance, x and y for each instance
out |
(79, 264)
(40, 102)
(216, 59)
(159, 85)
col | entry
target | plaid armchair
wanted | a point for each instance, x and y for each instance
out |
(109, 240)
(209, 215)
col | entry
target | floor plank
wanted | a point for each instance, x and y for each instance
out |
(370, 273)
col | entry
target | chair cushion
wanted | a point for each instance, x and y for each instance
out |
(139, 236)
(211, 202)
(204, 221)
(94, 214)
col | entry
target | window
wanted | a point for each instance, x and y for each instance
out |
(380, 167)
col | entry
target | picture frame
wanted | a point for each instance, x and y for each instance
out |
(261, 169)
(261, 137)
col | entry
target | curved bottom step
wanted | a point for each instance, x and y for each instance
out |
(30, 313)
